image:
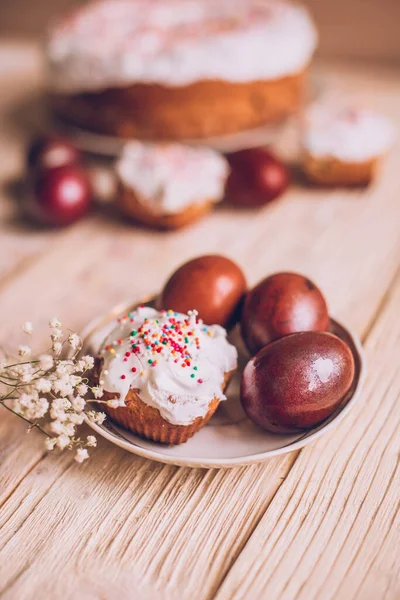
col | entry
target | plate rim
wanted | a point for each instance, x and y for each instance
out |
(207, 463)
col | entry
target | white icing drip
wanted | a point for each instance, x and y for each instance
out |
(177, 42)
(168, 386)
(169, 178)
(349, 134)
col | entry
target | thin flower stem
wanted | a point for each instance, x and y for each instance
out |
(33, 425)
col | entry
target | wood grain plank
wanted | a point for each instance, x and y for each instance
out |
(329, 520)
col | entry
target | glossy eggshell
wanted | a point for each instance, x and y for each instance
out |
(279, 305)
(213, 285)
(256, 178)
(297, 382)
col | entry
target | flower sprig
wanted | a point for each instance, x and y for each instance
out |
(51, 393)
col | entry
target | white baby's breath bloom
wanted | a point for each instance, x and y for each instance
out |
(46, 362)
(91, 441)
(78, 404)
(97, 391)
(54, 322)
(63, 441)
(76, 419)
(96, 417)
(50, 443)
(56, 334)
(57, 427)
(69, 429)
(115, 403)
(81, 455)
(74, 341)
(24, 351)
(63, 386)
(27, 327)
(61, 404)
(65, 367)
(43, 385)
(58, 414)
(88, 362)
(56, 347)
(82, 389)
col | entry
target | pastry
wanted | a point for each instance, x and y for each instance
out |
(170, 370)
(168, 186)
(344, 145)
(176, 69)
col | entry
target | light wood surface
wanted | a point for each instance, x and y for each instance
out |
(321, 523)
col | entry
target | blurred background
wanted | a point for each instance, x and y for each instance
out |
(348, 28)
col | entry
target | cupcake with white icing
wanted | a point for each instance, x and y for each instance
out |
(344, 145)
(168, 186)
(168, 372)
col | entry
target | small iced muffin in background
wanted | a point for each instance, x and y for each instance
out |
(168, 186)
(344, 145)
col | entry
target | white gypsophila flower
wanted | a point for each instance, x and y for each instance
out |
(46, 362)
(63, 441)
(115, 403)
(69, 429)
(63, 386)
(88, 362)
(26, 373)
(74, 340)
(54, 322)
(24, 351)
(31, 407)
(61, 404)
(76, 419)
(56, 347)
(27, 327)
(96, 417)
(56, 334)
(43, 385)
(65, 367)
(57, 427)
(81, 455)
(98, 391)
(91, 441)
(78, 404)
(75, 380)
(82, 389)
(50, 443)
(58, 414)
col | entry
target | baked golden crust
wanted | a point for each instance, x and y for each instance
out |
(137, 211)
(199, 110)
(334, 172)
(147, 422)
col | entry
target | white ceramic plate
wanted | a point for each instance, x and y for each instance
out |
(229, 439)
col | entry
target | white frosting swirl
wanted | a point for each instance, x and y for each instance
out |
(114, 43)
(181, 394)
(334, 129)
(167, 178)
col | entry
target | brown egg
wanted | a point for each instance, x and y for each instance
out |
(213, 285)
(297, 381)
(279, 305)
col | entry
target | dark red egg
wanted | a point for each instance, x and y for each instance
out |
(256, 178)
(60, 196)
(297, 382)
(52, 151)
(213, 285)
(279, 305)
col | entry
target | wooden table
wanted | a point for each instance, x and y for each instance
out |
(322, 523)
